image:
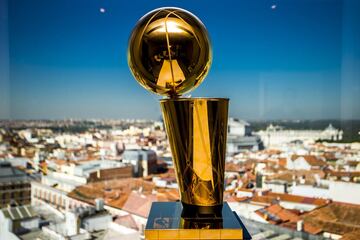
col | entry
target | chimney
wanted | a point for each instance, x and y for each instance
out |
(72, 223)
(299, 225)
(99, 204)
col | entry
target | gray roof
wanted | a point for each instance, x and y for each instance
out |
(21, 212)
(238, 121)
(244, 140)
(139, 154)
(9, 173)
(35, 234)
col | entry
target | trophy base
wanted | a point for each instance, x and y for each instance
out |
(168, 221)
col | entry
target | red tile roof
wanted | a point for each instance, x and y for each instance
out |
(276, 214)
(232, 167)
(298, 199)
(337, 218)
(344, 174)
(139, 204)
(133, 194)
(311, 160)
(282, 162)
(127, 221)
(269, 198)
(355, 235)
(307, 227)
(291, 175)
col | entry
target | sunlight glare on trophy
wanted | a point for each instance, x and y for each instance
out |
(169, 52)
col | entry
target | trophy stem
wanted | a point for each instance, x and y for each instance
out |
(197, 131)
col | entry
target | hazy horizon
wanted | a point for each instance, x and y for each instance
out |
(160, 118)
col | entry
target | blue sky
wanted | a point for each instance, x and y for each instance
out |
(274, 59)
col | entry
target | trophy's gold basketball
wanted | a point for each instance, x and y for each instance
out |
(169, 51)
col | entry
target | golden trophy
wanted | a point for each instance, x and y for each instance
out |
(170, 54)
